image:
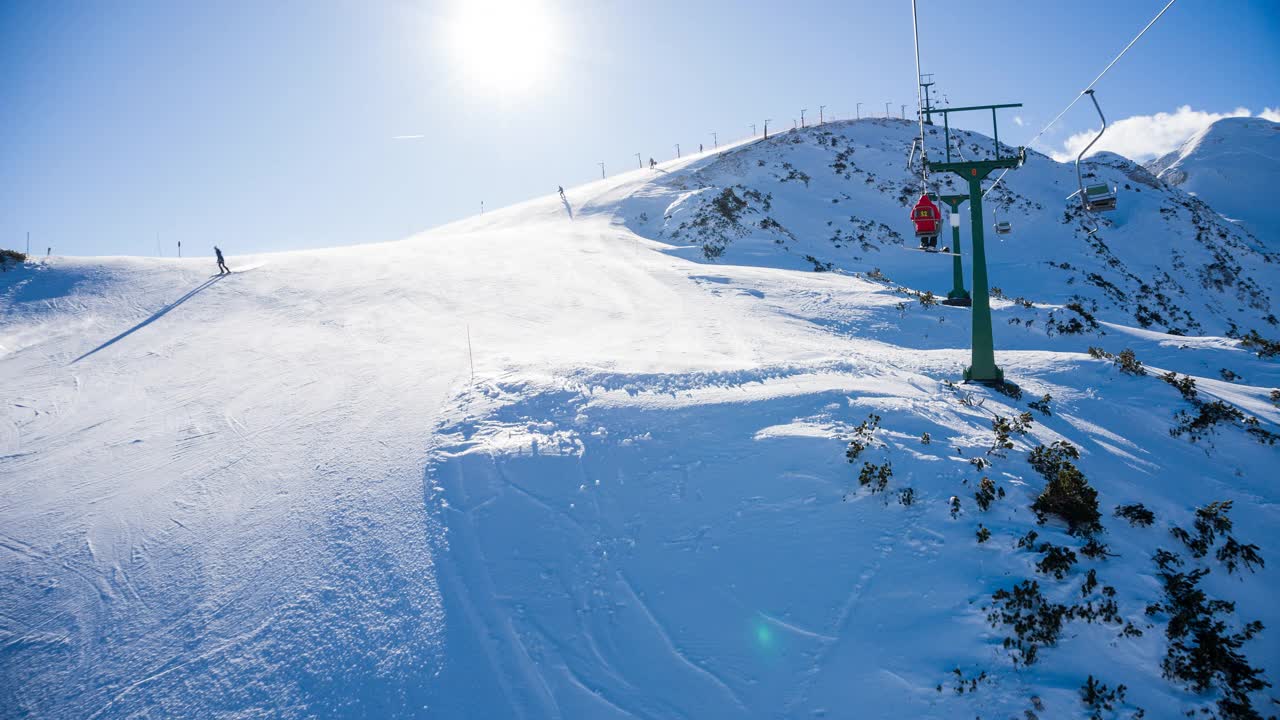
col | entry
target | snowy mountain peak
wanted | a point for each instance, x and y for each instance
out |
(1234, 165)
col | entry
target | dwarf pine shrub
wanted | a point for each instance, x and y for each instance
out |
(987, 493)
(1137, 514)
(1203, 653)
(1041, 405)
(1067, 495)
(11, 257)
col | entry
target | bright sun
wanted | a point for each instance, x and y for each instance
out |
(502, 48)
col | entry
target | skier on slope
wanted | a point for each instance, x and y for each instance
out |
(652, 164)
(222, 264)
(561, 189)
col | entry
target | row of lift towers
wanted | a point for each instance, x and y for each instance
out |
(1096, 197)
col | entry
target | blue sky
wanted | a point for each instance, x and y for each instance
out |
(270, 125)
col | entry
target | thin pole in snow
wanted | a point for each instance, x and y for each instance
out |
(753, 129)
(904, 112)
(28, 242)
(859, 117)
(886, 109)
(766, 128)
(802, 112)
(820, 109)
(179, 248)
(639, 161)
(601, 170)
(470, 357)
(715, 139)
(677, 151)
(481, 207)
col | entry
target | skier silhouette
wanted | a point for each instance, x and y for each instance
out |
(561, 188)
(699, 147)
(652, 164)
(222, 265)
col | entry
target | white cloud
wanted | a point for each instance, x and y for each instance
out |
(408, 137)
(1143, 137)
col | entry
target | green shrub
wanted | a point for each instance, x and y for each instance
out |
(1186, 386)
(1037, 621)
(1264, 347)
(1067, 495)
(11, 257)
(1097, 697)
(1057, 561)
(1041, 405)
(987, 493)
(1202, 651)
(1137, 514)
(877, 476)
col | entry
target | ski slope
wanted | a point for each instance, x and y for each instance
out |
(549, 462)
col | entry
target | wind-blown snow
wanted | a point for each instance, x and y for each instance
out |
(549, 462)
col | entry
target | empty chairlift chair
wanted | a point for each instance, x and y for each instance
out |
(1098, 197)
(1003, 227)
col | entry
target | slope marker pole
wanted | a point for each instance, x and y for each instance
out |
(470, 357)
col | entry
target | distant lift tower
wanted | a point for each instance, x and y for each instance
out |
(982, 368)
(926, 81)
(958, 295)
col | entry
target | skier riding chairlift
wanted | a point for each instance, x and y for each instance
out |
(927, 219)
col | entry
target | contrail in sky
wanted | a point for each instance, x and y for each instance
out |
(407, 137)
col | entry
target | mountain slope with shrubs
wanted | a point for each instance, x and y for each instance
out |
(837, 196)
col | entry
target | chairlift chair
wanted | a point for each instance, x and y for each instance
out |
(928, 220)
(1098, 197)
(1003, 227)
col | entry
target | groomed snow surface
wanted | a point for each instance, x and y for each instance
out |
(537, 465)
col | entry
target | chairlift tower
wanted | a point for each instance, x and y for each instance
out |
(926, 81)
(982, 368)
(958, 295)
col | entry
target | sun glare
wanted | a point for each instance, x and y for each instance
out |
(503, 48)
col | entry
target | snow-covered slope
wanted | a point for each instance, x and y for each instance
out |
(839, 194)
(542, 463)
(1234, 165)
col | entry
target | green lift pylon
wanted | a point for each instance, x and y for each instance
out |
(958, 295)
(982, 367)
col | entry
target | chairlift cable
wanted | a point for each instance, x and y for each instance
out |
(924, 166)
(1082, 93)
